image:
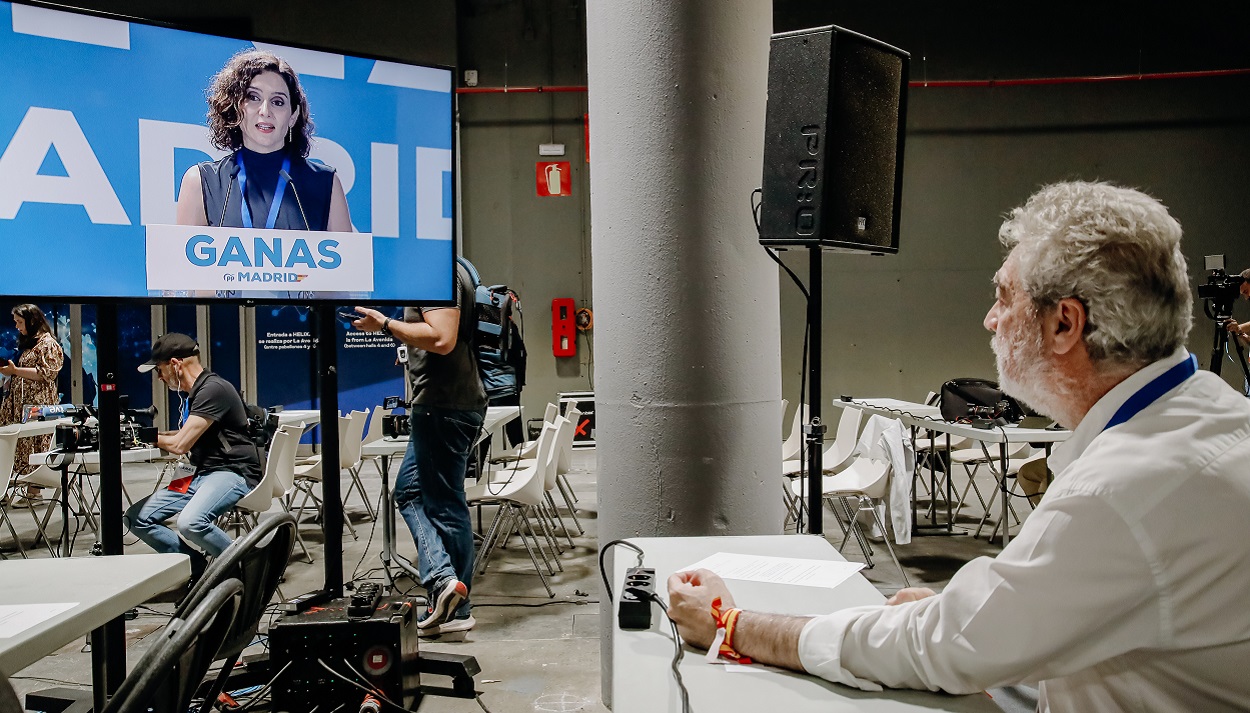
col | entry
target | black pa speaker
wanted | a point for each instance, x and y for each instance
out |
(833, 150)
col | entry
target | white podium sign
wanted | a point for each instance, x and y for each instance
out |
(189, 257)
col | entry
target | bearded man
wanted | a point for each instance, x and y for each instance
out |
(1126, 589)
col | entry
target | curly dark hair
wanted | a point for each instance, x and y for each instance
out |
(229, 87)
(36, 324)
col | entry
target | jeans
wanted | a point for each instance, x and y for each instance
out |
(210, 496)
(429, 492)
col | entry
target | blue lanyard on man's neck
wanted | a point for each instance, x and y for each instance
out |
(275, 205)
(1151, 392)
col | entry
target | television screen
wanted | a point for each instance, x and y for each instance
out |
(143, 162)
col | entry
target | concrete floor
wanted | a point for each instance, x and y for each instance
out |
(536, 653)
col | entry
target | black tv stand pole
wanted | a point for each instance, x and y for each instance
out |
(325, 346)
(108, 643)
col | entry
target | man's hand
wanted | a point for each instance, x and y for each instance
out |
(690, 596)
(910, 594)
(370, 320)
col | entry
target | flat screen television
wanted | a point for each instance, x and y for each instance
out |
(143, 162)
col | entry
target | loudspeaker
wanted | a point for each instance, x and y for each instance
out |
(833, 149)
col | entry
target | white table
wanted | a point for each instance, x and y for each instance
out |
(922, 416)
(101, 590)
(36, 428)
(92, 458)
(309, 417)
(643, 683)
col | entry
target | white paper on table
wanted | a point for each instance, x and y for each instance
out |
(16, 618)
(778, 570)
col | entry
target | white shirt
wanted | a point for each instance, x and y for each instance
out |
(1128, 589)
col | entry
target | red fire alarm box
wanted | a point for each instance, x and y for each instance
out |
(563, 327)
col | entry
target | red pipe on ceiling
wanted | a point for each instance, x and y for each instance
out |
(941, 83)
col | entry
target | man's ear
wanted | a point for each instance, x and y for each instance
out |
(1065, 325)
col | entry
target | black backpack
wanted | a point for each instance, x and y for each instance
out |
(498, 343)
(969, 398)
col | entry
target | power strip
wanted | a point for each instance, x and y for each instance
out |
(634, 608)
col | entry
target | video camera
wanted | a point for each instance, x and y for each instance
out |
(395, 425)
(1220, 291)
(83, 435)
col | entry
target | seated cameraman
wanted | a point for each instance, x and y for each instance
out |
(224, 463)
(1241, 331)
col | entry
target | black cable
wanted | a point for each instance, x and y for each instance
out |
(578, 602)
(478, 697)
(372, 528)
(604, 551)
(678, 654)
(253, 700)
(370, 691)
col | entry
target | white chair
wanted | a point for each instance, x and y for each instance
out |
(285, 482)
(867, 482)
(565, 433)
(517, 498)
(971, 459)
(374, 433)
(565, 463)
(280, 458)
(838, 455)
(529, 449)
(309, 475)
(81, 504)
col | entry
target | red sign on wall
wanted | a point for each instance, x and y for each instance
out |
(554, 178)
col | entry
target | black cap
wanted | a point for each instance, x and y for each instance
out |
(170, 346)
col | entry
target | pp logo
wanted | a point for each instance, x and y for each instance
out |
(228, 277)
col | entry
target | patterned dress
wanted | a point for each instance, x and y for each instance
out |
(47, 358)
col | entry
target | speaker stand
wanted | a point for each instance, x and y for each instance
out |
(814, 429)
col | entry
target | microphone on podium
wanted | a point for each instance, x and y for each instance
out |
(294, 190)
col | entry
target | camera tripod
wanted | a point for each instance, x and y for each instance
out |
(1221, 346)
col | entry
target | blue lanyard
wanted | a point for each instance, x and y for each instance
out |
(1151, 392)
(186, 412)
(275, 205)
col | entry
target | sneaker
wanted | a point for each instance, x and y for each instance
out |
(449, 626)
(444, 599)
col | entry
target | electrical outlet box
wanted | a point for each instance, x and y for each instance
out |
(634, 606)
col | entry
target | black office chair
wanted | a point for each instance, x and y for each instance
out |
(166, 678)
(258, 560)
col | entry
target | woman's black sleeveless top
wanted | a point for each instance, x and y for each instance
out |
(312, 181)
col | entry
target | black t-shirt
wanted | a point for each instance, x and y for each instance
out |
(225, 445)
(449, 380)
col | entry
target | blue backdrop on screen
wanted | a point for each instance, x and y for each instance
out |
(367, 371)
(99, 119)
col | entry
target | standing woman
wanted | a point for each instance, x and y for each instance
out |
(32, 380)
(258, 111)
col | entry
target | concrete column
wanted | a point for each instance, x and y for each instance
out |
(687, 335)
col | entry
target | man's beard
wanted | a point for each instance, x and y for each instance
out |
(1025, 372)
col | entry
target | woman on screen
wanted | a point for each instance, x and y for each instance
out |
(258, 111)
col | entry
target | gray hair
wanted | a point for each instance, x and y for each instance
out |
(1115, 249)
